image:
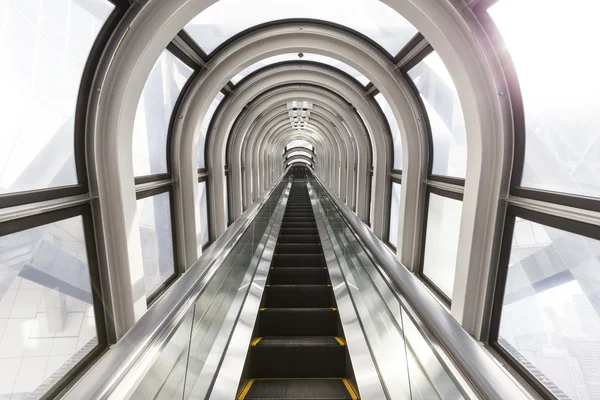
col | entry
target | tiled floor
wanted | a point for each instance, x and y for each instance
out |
(29, 353)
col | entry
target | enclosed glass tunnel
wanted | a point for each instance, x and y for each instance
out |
(267, 199)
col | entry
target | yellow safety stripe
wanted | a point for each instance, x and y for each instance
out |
(255, 341)
(246, 389)
(333, 309)
(350, 389)
(340, 341)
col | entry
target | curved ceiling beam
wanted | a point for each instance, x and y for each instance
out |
(299, 149)
(320, 40)
(300, 158)
(283, 74)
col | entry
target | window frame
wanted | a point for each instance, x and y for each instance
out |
(395, 177)
(203, 177)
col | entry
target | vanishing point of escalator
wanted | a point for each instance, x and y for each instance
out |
(298, 350)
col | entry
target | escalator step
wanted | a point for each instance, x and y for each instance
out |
(288, 389)
(309, 225)
(298, 296)
(298, 231)
(298, 260)
(298, 239)
(298, 358)
(298, 322)
(298, 276)
(298, 248)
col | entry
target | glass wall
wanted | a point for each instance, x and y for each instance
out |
(45, 46)
(202, 227)
(394, 129)
(395, 214)
(204, 128)
(441, 241)
(562, 144)
(153, 115)
(446, 120)
(153, 215)
(47, 317)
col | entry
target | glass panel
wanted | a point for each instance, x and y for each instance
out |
(441, 241)
(550, 319)
(391, 119)
(204, 128)
(47, 322)
(45, 46)
(202, 236)
(299, 143)
(395, 214)
(445, 114)
(153, 114)
(299, 153)
(307, 57)
(372, 18)
(560, 93)
(156, 238)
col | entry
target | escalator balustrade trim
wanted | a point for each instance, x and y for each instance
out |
(298, 350)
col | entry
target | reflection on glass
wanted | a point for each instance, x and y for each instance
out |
(395, 214)
(202, 236)
(156, 238)
(560, 94)
(441, 241)
(45, 46)
(47, 322)
(153, 114)
(299, 143)
(306, 57)
(550, 319)
(204, 128)
(395, 129)
(445, 114)
(372, 18)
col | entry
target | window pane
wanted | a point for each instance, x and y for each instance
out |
(446, 119)
(307, 57)
(156, 238)
(45, 46)
(550, 313)
(395, 130)
(202, 236)
(204, 128)
(372, 18)
(441, 241)
(47, 322)
(395, 214)
(153, 114)
(557, 64)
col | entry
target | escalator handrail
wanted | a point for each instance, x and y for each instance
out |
(155, 327)
(477, 366)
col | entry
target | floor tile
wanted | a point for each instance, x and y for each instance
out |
(26, 303)
(31, 374)
(66, 346)
(10, 369)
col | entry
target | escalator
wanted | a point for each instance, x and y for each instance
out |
(298, 349)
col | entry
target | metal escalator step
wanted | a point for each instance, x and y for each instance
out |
(298, 239)
(299, 341)
(298, 389)
(298, 276)
(298, 296)
(300, 360)
(298, 248)
(299, 231)
(298, 322)
(309, 225)
(298, 260)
